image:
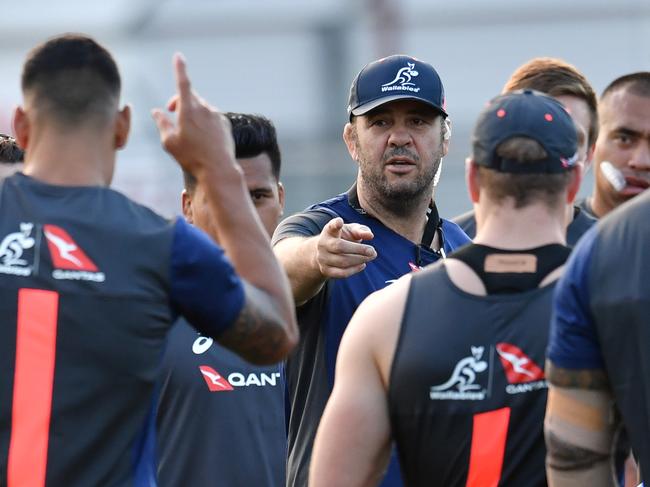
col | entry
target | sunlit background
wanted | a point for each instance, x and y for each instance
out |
(293, 61)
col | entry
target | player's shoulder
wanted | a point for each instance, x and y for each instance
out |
(387, 304)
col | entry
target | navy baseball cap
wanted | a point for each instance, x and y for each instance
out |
(526, 113)
(395, 77)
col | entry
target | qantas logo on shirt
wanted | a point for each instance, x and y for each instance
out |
(69, 260)
(216, 382)
(462, 383)
(522, 373)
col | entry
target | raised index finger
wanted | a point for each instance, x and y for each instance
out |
(182, 80)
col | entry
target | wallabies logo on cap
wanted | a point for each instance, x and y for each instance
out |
(402, 80)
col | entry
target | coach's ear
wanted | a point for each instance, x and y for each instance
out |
(186, 204)
(446, 135)
(350, 138)
(472, 177)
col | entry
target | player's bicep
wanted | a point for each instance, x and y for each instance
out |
(579, 427)
(257, 333)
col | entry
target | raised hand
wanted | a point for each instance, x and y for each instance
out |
(201, 138)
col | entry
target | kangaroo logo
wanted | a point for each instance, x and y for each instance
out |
(403, 76)
(461, 385)
(13, 245)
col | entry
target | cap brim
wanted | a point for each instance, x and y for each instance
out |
(365, 108)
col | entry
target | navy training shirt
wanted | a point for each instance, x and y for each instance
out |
(601, 314)
(322, 320)
(90, 283)
(220, 420)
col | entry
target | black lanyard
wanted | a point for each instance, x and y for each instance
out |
(433, 224)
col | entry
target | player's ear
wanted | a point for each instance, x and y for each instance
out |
(472, 177)
(350, 138)
(122, 126)
(21, 127)
(281, 196)
(186, 204)
(589, 158)
(574, 183)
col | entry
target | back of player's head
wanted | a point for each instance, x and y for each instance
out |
(634, 83)
(72, 80)
(525, 146)
(556, 77)
(253, 135)
(10, 153)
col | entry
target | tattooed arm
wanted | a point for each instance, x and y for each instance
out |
(259, 333)
(580, 428)
(580, 425)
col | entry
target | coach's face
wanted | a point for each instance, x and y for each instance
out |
(266, 192)
(623, 140)
(398, 147)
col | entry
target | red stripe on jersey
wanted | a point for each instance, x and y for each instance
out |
(488, 446)
(33, 384)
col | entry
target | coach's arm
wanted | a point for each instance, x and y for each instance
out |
(337, 252)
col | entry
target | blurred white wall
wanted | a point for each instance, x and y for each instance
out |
(293, 62)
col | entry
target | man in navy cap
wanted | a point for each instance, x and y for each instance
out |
(339, 251)
(448, 362)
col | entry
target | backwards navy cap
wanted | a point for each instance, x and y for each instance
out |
(394, 78)
(531, 114)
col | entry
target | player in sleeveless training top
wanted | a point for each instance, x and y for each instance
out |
(448, 361)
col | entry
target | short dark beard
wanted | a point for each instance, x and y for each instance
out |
(402, 200)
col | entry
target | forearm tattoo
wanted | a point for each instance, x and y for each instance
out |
(576, 378)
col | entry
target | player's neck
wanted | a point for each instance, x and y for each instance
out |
(408, 221)
(506, 227)
(70, 159)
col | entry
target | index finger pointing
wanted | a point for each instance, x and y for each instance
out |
(182, 80)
